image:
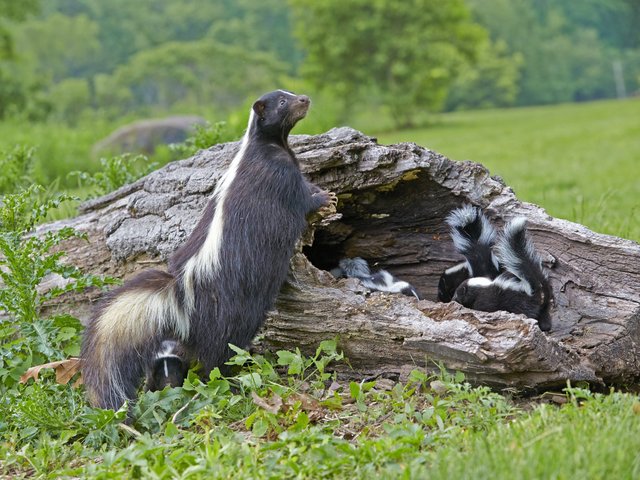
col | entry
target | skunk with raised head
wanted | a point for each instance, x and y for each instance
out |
(473, 236)
(225, 277)
(169, 367)
(381, 280)
(523, 287)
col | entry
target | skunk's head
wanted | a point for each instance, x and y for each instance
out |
(471, 290)
(276, 113)
(169, 367)
(451, 279)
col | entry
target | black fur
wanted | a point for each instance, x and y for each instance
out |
(169, 367)
(474, 237)
(381, 280)
(523, 288)
(264, 213)
(451, 279)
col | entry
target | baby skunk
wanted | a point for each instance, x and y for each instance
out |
(381, 280)
(169, 367)
(473, 236)
(522, 288)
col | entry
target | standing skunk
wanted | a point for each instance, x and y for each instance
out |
(225, 277)
(169, 367)
(473, 236)
(381, 280)
(522, 288)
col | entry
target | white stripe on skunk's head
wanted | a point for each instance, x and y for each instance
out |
(514, 284)
(279, 111)
(168, 348)
(462, 216)
(479, 282)
(458, 267)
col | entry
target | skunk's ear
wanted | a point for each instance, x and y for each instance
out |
(259, 108)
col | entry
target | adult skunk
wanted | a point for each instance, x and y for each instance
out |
(381, 280)
(225, 277)
(522, 288)
(473, 236)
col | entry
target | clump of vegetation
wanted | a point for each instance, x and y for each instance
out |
(203, 137)
(116, 172)
(16, 166)
(26, 259)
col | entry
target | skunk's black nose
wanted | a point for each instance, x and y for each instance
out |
(303, 99)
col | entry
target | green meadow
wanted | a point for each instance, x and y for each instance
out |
(581, 162)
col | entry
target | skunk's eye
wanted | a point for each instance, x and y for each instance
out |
(283, 102)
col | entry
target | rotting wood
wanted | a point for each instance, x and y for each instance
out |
(393, 200)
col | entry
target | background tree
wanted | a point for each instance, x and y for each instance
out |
(13, 92)
(405, 53)
(59, 46)
(567, 49)
(194, 73)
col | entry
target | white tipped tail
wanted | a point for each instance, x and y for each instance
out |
(518, 256)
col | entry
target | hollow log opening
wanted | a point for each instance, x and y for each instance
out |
(398, 227)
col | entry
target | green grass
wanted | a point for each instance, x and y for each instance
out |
(59, 148)
(429, 427)
(580, 162)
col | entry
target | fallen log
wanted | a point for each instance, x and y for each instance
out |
(392, 205)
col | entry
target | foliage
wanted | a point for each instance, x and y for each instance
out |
(269, 24)
(566, 50)
(267, 422)
(204, 136)
(60, 148)
(575, 441)
(491, 82)
(194, 73)
(16, 11)
(405, 53)
(26, 260)
(13, 89)
(16, 166)
(59, 46)
(75, 57)
(70, 99)
(116, 172)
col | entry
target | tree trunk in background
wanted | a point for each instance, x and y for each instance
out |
(393, 202)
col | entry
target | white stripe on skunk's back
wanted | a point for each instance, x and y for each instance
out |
(204, 263)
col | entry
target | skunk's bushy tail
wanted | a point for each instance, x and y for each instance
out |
(473, 236)
(518, 256)
(125, 332)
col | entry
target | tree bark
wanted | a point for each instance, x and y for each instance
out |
(393, 202)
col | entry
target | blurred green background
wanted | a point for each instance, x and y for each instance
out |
(543, 92)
